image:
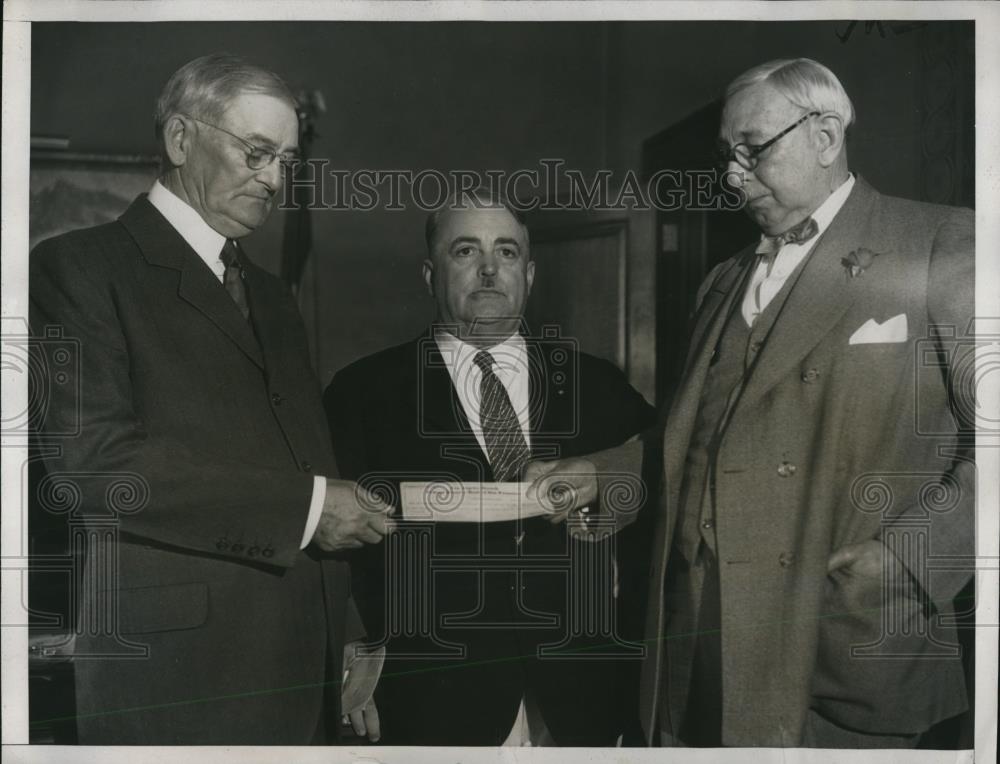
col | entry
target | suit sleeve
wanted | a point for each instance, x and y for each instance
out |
(155, 487)
(951, 305)
(622, 475)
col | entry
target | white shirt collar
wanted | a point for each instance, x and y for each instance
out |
(201, 237)
(510, 356)
(828, 210)
(510, 365)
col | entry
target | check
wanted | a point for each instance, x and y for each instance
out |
(451, 502)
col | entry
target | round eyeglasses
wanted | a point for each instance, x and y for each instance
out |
(258, 157)
(747, 155)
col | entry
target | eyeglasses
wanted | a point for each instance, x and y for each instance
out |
(257, 157)
(747, 155)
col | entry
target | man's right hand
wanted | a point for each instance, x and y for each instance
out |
(562, 486)
(352, 517)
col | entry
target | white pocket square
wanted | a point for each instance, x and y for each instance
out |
(870, 332)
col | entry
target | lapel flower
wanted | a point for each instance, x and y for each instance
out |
(858, 261)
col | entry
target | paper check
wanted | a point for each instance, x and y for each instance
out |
(450, 502)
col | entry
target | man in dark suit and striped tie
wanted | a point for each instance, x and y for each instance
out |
(502, 615)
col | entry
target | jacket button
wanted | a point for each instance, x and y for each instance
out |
(809, 376)
(707, 524)
(786, 469)
(786, 559)
(268, 552)
(237, 548)
(306, 467)
(253, 551)
(221, 544)
(276, 399)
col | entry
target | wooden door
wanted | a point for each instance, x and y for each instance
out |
(689, 241)
(580, 285)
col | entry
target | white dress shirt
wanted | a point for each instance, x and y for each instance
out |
(511, 367)
(764, 285)
(208, 244)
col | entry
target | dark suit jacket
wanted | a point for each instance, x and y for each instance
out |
(396, 416)
(874, 432)
(211, 429)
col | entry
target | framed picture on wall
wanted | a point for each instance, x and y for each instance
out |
(73, 190)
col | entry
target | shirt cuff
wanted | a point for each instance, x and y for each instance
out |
(315, 510)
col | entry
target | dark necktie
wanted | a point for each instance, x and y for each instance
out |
(797, 234)
(505, 444)
(232, 280)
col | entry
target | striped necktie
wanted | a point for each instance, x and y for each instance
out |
(505, 445)
(233, 278)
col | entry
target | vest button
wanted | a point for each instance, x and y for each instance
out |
(786, 559)
(253, 551)
(707, 524)
(276, 399)
(306, 467)
(786, 469)
(755, 346)
(809, 376)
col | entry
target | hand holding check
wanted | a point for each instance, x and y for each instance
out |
(562, 486)
(352, 516)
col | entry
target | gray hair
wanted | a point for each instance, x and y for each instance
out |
(205, 87)
(477, 199)
(806, 83)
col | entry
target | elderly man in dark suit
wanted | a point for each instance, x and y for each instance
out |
(225, 616)
(511, 614)
(817, 451)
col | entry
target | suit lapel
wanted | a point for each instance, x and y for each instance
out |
(708, 329)
(266, 298)
(549, 395)
(817, 299)
(712, 318)
(442, 410)
(439, 410)
(163, 246)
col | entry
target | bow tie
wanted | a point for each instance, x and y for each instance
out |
(797, 234)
